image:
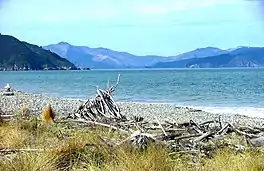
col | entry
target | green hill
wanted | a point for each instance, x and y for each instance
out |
(17, 55)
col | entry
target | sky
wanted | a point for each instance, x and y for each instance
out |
(141, 27)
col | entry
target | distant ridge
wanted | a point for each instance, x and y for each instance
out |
(199, 53)
(17, 55)
(102, 58)
(208, 57)
(239, 57)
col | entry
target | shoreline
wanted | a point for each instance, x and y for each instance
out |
(163, 111)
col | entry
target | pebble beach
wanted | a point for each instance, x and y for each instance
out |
(150, 111)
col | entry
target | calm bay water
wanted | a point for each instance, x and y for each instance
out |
(225, 90)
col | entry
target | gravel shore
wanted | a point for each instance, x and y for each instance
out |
(37, 102)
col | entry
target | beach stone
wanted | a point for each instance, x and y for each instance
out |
(149, 111)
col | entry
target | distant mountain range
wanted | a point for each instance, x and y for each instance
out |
(83, 56)
(209, 57)
(17, 55)
(239, 57)
(198, 53)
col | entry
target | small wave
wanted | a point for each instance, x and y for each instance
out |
(246, 111)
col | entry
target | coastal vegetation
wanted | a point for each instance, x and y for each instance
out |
(33, 144)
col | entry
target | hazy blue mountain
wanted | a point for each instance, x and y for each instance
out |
(83, 56)
(198, 53)
(17, 55)
(209, 57)
(240, 57)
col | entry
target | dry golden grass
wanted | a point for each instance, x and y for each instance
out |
(11, 137)
(227, 160)
(69, 148)
(155, 158)
(48, 115)
(30, 162)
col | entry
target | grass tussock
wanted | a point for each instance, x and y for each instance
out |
(30, 162)
(48, 115)
(154, 158)
(11, 137)
(69, 148)
(251, 160)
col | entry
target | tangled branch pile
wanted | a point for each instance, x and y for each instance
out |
(184, 137)
(102, 108)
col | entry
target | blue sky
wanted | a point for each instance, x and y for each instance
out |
(161, 27)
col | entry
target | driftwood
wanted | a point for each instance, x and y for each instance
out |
(91, 123)
(188, 136)
(257, 142)
(6, 117)
(3, 116)
(102, 108)
(20, 150)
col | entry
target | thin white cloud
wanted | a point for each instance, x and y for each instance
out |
(174, 6)
(86, 11)
(77, 15)
(56, 12)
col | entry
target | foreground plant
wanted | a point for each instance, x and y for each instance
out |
(48, 114)
(38, 146)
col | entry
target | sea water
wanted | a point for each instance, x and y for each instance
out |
(239, 91)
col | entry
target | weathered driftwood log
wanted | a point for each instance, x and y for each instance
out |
(6, 117)
(257, 142)
(20, 150)
(91, 123)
